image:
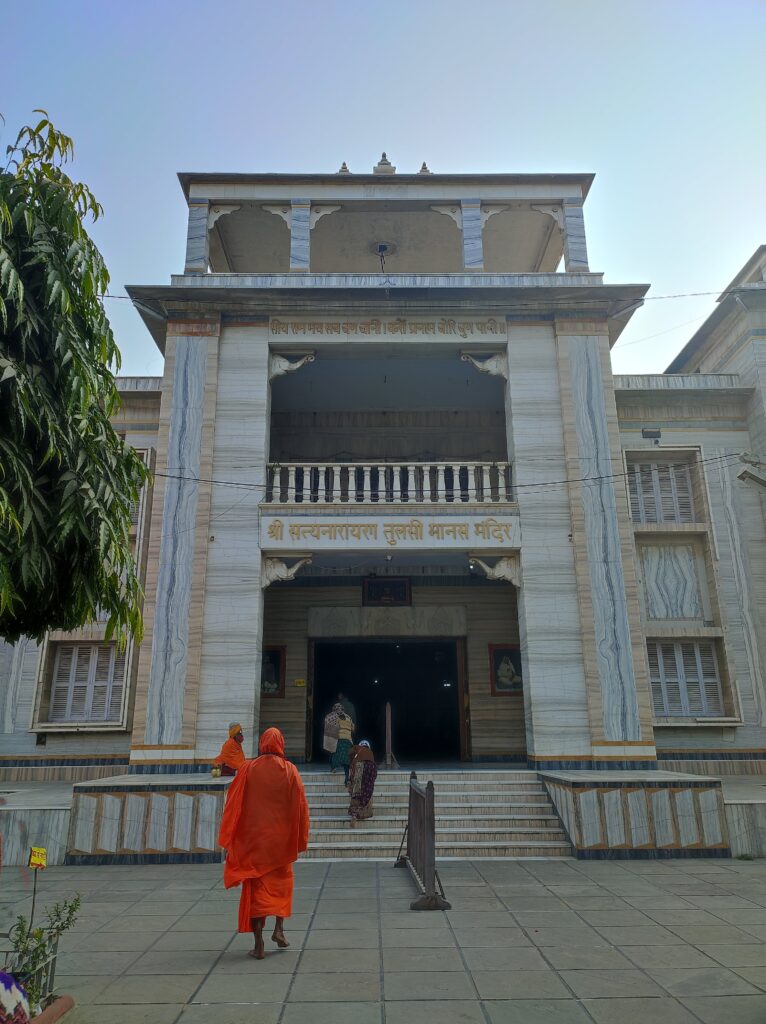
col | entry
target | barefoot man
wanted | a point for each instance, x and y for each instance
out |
(265, 826)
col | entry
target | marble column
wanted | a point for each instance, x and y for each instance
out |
(473, 247)
(181, 533)
(197, 246)
(300, 234)
(555, 697)
(575, 247)
(600, 525)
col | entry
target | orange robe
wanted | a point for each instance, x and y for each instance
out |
(265, 826)
(231, 755)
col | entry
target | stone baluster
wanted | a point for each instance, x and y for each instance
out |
(321, 484)
(411, 495)
(486, 483)
(441, 483)
(396, 484)
(291, 494)
(366, 484)
(336, 484)
(502, 485)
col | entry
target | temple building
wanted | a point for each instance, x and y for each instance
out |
(391, 459)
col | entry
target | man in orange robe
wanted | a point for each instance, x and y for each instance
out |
(265, 826)
(232, 757)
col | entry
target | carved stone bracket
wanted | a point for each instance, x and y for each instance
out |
(279, 365)
(490, 211)
(495, 365)
(454, 212)
(317, 212)
(505, 568)
(285, 212)
(552, 211)
(275, 570)
(219, 211)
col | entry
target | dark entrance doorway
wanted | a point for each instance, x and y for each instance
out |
(421, 678)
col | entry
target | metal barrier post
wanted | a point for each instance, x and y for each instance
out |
(420, 855)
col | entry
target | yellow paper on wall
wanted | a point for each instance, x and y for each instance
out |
(38, 857)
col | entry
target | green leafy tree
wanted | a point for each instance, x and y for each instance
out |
(67, 481)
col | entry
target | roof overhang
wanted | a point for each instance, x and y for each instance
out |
(736, 302)
(520, 297)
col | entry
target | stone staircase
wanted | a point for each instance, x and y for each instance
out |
(479, 813)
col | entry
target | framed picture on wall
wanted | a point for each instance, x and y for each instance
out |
(386, 592)
(504, 669)
(273, 671)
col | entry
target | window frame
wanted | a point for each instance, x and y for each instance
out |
(94, 651)
(675, 464)
(677, 643)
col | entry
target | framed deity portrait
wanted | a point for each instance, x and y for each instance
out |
(386, 592)
(273, 671)
(504, 669)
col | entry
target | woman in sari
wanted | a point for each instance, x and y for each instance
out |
(265, 826)
(361, 782)
(341, 756)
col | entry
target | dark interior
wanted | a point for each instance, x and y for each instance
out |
(418, 677)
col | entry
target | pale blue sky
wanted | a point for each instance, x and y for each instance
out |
(662, 99)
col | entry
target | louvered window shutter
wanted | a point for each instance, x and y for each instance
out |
(61, 684)
(660, 492)
(685, 679)
(114, 711)
(88, 683)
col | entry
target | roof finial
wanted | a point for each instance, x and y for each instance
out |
(344, 168)
(384, 166)
(424, 169)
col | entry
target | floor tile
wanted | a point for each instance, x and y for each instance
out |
(329, 1013)
(537, 1011)
(596, 984)
(95, 962)
(412, 919)
(573, 958)
(335, 961)
(638, 1011)
(338, 988)
(700, 981)
(470, 937)
(627, 918)
(152, 988)
(737, 956)
(653, 935)
(416, 985)
(505, 958)
(397, 938)
(82, 988)
(669, 956)
(687, 918)
(755, 975)
(520, 985)
(237, 961)
(193, 940)
(728, 1009)
(474, 919)
(257, 987)
(220, 1013)
(130, 1014)
(397, 960)
(583, 936)
(725, 933)
(186, 961)
(343, 939)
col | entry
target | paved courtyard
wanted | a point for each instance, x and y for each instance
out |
(534, 942)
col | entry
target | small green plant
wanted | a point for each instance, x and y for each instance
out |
(31, 959)
(744, 856)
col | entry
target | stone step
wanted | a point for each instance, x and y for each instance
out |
(362, 851)
(373, 836)
(470, 799)
(321, 822)
(453, 785)
(435, 777)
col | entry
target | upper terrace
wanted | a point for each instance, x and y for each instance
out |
(385, 222)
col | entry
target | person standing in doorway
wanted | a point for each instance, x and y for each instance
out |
(340, 758)
(265, 826)
(347, 706)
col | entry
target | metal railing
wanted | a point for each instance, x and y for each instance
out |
(37, 976)
(388, 483)
(420, 853)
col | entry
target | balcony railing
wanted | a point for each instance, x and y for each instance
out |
(433, 483)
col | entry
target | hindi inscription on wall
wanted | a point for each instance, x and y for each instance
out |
(305, 533)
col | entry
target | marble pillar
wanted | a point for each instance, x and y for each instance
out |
(555, 697)
(197, 248)
(575, 247)
(473, 248)
(170, 636)
(613, 645)
(232, 618)
(300, 234)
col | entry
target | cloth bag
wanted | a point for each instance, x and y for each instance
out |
(330, 738)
